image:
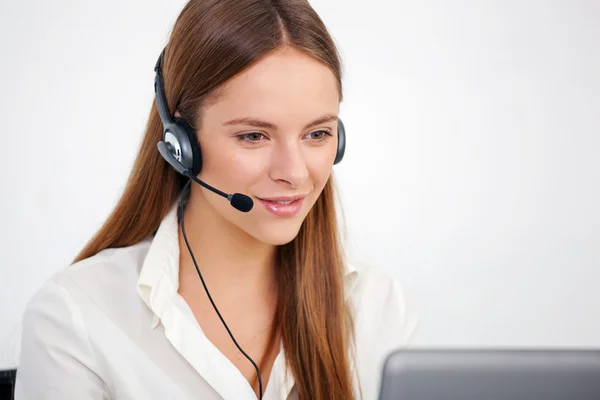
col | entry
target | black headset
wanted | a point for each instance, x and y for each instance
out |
(180, 138)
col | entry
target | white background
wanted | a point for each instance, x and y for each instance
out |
(471, 172)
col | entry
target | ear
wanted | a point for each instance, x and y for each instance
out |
(177, 114)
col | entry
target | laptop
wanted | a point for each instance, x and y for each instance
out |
(502, 374)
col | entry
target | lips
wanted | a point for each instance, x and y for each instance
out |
(283, 206)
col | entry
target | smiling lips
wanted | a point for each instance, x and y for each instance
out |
(283, 206)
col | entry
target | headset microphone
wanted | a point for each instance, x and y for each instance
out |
(239, 201)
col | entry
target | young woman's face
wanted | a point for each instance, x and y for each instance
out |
(272, 135)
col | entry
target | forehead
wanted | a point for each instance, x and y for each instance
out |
(286, 84)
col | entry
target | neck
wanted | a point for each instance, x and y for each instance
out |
(232, 262)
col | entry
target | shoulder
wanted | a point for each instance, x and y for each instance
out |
(100, 282)
(380, 304)
(372, 281)
(108, 269)
(67, 315)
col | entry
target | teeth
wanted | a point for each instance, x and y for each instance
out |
(283, 202)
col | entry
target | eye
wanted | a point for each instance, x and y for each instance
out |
(251, 138)
(319, 136)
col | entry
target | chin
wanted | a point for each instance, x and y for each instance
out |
(278, 235)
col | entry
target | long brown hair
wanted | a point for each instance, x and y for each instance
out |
(212, 41)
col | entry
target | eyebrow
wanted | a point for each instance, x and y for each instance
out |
(257, 123)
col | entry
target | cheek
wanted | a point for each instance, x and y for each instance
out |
(230, 167)
(321, 178)
(320, 171)
(320, 163)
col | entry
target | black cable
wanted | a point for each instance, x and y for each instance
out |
(207, 292)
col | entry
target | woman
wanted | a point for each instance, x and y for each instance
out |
(182, 296)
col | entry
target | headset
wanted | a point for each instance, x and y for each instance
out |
(180, 149)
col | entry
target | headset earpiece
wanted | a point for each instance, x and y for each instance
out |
(195, 156)
(341, 145)
(181, 147)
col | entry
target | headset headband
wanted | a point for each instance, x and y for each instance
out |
(161, 100)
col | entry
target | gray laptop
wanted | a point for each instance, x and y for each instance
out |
(535, 374)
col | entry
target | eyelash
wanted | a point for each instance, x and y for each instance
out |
(244, 137)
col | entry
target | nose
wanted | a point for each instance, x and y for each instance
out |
(288, 165)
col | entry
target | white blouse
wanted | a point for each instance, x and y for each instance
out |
(114, 327)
